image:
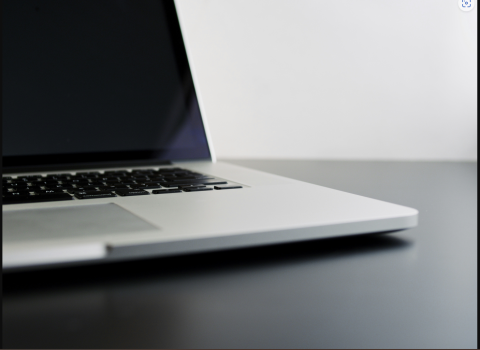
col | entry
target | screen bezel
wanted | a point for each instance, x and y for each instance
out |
(24, 163)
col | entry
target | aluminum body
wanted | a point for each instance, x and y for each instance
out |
(269, 209)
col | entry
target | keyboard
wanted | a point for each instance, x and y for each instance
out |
(105, 184)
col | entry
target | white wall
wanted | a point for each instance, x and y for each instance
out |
(351, 79)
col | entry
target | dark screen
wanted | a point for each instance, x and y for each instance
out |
(85, 78)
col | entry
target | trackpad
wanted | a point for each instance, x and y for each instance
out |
(70, 222)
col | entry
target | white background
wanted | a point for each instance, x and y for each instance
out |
(350, 79)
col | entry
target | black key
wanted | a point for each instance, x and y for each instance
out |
(153, 183)
(76, 189)
(157, 178)
(30, 188)
(186, 186)
(78, 177)
(16, 193)
(83, 188)
(139, 177)
(58, 178)
(185, 176)
(226, 187)
(82, 184)
(94, 194)
(128, 182)
(105, 178)
(110, 178)
(131, 192)
(38, 183)
(87, 176)
(54, 190)
(19, 184)
(126, 178)
(166, 191)
(75, 181)
(6, 178)
(51, 182)
(37, 198)
(172, 180)
(31, 177)
(195, 189)
(168, 179)
(44, 183)
(96, 184)
(21, 178)
(115, 187)
(143, 175)
(113, 182)
(59, 186)
(210, 183)
(174, 184)
(52, 196)
(28, 178)
(88, 173)
(146, 185)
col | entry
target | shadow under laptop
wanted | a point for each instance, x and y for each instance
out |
(203, 264)
(202, 300)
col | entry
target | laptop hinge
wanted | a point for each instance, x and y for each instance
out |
(76, 166)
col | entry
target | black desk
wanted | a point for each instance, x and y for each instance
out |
(416, 288)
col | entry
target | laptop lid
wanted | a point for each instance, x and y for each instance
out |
(96, 83)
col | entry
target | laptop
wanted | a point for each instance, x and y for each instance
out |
(107, 155)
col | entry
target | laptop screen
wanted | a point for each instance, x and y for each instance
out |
(96, 81)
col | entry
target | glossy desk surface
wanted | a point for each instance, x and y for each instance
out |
(415, 288)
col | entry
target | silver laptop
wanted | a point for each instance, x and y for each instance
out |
(107, 156)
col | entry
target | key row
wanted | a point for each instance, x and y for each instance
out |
(17, 198)
(162, 172)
